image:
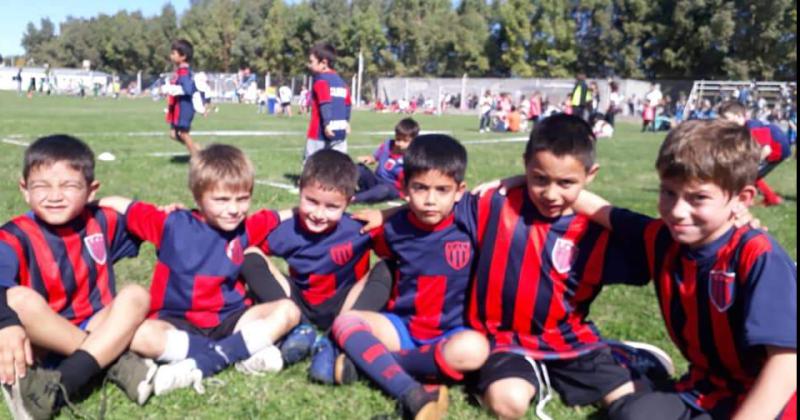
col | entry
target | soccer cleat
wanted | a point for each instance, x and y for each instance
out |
(134, 376)
(13, 398)
(344, 370)
(182, 374)
(645, 361)
(41, 392)
(297, 344)
(425, 402)
(323, 359)
(266, 360)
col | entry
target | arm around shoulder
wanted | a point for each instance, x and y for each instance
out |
(116, 203)
(597, 208)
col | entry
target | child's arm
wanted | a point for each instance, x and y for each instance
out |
(116, 203)
(286, 214)
(774, 385)
(374, 218)
(594, 206)
(366, 159)
(502, 185)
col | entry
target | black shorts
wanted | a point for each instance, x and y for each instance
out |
(580, 381)
(224, 329)
(321, 315)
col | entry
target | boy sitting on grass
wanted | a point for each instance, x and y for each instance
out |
(386, 183)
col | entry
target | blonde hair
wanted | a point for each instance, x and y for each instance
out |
(220, 166)
(715, 151)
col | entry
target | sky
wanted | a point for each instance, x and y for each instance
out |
(15, 15)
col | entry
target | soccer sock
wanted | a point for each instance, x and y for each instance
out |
(260, 280)
(77, 370)
(180, 345)
(769, 195)
(371, 356)
(427, 362)
(376, 290)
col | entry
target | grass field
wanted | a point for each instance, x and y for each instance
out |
(135, 132)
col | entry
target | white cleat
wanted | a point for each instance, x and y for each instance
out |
(177, 375)
(13, 398)
(266, 360)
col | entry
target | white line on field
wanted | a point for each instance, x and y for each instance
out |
(288, 187)
(15, 142)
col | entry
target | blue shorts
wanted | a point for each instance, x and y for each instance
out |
(52, 359)
(407, 342)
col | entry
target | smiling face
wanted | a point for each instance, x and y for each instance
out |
(321, 208)
(696, 212)
(431, 196)
(224, 208)
(57, 193)
(554, 182)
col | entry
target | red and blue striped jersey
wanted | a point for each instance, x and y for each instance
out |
(722, 304)
(196, 276)
(536, 277)
(322, 265)
(70, 265)
(389, 165)
(329, 89)
(766, 134)
(431, 266)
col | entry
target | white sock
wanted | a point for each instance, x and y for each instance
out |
(176, 346)
(255, 336)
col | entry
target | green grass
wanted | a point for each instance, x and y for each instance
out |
(627, 178)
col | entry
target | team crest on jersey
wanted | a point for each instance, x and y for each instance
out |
(564, 254)
(234, 251)
(96, 245)
(389, 165)
(457, 254)
(342, 253)
(721, 288)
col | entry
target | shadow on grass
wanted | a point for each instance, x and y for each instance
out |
(179, 159)
(789, 198)
(293, 178)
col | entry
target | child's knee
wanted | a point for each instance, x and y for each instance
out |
(136, 297)
(467, 350)
(289, 310)
(149, 339)
(507, 402)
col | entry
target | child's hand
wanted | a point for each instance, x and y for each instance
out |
(15, 346)
(169, 208)
(372, 219)
(502, 185)
(366, 159)
(744, 218)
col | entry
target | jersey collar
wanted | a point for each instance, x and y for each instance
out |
(447, 221)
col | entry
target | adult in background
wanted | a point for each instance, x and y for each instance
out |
(615, 102)
(581, 98)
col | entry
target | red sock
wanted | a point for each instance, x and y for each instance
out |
(770, 197)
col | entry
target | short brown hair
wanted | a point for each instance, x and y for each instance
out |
(715, 151)
(407, 127)
(220, 166)
(48, 150)
(330, 169)
(732, 107)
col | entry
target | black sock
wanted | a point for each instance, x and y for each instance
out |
(377, 289)
(77, 370)
(259, 279)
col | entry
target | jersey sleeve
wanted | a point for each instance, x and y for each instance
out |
(379, 243)
(146, 222)
(771, 295)
(9, 264)
(259, 225)
(123, 243)
(628, 244)
(466, 215)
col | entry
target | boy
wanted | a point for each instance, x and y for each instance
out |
(330, 103)
(775, 146)
(386, 182)
(727, 295)
(200, 318)
(57, 285)
(421, 336)
(540, 267)
(180, 89)
(328, 261)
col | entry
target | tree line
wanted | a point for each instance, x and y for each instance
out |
(666, 39)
